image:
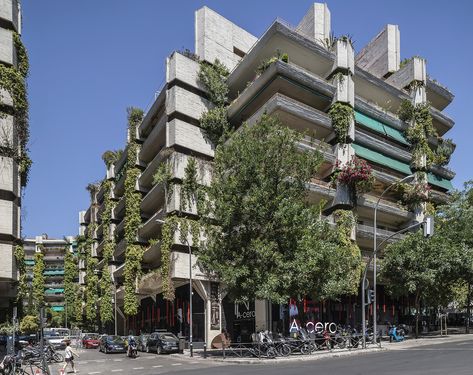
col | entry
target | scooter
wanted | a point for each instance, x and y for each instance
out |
(396, 334)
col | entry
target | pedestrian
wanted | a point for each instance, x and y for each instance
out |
(69, 358)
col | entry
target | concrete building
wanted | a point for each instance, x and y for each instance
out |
(10, 182)
(54, 251)
(300, 92)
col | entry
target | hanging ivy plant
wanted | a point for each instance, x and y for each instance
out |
(133, 252)
(345, 220)
(38, 279)
(91, 295)
(22, 290)
(214, 121)
(13, 80)
(444, 151)
(190, 188)
(342, 115)
(413, 195)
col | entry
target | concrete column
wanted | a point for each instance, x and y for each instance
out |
(316, 23)
(262, 315)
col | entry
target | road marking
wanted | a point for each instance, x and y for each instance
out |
(100, 360)
(138, 368)
(194, 363)
(118, 360)
(95, 372)
(157, 366)
(176, 364)
(117, 370)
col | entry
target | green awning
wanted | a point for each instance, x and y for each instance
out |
(57, 308)
(54, 291)
(379, 158)
(53, 272)
(380, 127)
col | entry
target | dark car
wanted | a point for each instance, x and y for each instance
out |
(162, 342)
(112, 344)
(142, 341)
(90, 341)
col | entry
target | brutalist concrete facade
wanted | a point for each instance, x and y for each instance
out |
(10, 187)
(299, 92)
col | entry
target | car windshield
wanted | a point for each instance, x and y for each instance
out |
(91, 337)
(115, 339)
(167, 336)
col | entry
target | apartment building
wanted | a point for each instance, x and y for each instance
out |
(319, 72)
(53, 251)
(10, 179)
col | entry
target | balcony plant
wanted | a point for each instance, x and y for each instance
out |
(413, 195)
(342, 115)
(356, 174)
(265, 64)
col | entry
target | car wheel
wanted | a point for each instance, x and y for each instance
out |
(106, 350)
(147, 349)
(159, 350)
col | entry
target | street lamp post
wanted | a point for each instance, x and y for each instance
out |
(190, 293)
(115, 306)
(364, 281)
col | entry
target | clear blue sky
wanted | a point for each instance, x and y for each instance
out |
(90, 59)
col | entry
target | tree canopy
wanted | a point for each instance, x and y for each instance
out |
(263, 239)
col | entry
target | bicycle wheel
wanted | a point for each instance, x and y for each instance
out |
(58, 357)
(284, 350)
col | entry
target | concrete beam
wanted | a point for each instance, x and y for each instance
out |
(218, 38)
(316, 23)
(381, 57)
(413, 71)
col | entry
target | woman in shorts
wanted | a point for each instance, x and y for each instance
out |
(69, 357)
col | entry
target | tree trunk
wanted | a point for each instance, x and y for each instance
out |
(468, 303)
(417, 303)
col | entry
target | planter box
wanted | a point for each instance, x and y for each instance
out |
(344, 57)
(345, 90)
(345, 198)
(414, 70)
(111, 172)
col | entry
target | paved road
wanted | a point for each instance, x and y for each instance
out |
(452, 358)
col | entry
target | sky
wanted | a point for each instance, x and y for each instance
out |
(91, 59)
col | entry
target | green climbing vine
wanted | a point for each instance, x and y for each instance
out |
(265, 64)
(22, 290)
(38, 279)
(106, 283)
(342, 115)
(134, 251)
(13, 80)
(190, 188)
(418, 132)
(71, 274)
(215, 121)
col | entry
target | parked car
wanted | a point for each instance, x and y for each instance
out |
(162, 342)
(90, 341)
(142, 341)
(112, 344)
(57, 341)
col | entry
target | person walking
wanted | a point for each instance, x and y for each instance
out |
(69, 357)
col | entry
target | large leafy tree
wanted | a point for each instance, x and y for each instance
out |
(435, 270)
(264, 240)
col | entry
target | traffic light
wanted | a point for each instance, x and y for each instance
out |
(370, 296)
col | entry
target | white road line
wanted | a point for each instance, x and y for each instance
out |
(138, 368)
(176, 364)
(194, 363)
(117, 370)
(118, 360)
(157, 366)
(100, 360)
(95, 372)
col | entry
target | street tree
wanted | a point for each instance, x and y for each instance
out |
(263, 238)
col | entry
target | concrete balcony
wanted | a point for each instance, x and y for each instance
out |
(287, 79)
(9, 172)
(151, 229)
(187, 103)
(153, 200)
(119, 210)
(145, 180)
(301, 50)
(296, 115)
(442, 122)
(364, 235)
(10, 15)
(150, 118)
(438, 95)
(181, 134)
(152, 255)
(388, 212)
(119, 250)
(7, 48)
(154, 143)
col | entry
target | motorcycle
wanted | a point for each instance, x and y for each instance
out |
(132, 350)
(396, 334)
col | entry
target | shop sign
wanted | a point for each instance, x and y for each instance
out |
(248, 314)
(312, 327)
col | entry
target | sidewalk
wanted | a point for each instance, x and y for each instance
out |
(336, 353)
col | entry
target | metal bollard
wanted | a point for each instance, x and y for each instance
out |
(191, 347)
(223, 351)
(205, 350)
